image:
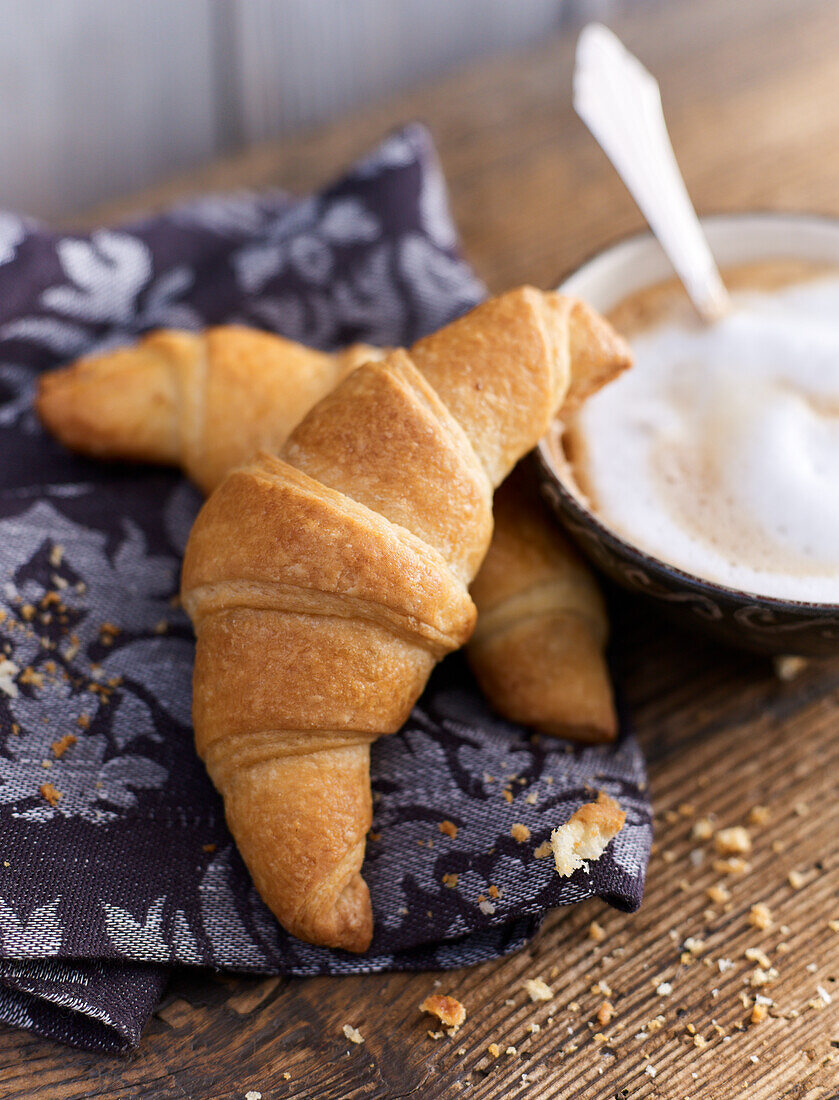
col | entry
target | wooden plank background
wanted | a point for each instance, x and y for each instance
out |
(99, 97)
(752, 94)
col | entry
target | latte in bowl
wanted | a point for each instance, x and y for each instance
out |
(708, 474)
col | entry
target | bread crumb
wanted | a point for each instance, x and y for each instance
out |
(759, 1013)
(760, 916)
(494, 1049)
(733, 841)
(353, 1034)
(596, 932)
(450, 880)
(664, 989)
(537, 990)
(486, 907)
(449, 1011)
(50, 793)
(63, 744)
(694, 945)
(448, 828)
(586, 834)
(508, 796)
(796, 880)
(650, 1071)
(543, 851)
(605, 1013)
(534, 1028)
(833, 925)
(520, 833)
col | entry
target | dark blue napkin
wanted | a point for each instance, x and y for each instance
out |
(115, 862)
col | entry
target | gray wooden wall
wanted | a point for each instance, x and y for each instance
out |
(99, 98)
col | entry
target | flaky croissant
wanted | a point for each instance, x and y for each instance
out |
(537, 649)
(203, 401)
(325, 584)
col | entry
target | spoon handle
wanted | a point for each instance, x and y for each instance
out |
(620, 102)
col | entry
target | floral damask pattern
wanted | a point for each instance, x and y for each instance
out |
(117, 861)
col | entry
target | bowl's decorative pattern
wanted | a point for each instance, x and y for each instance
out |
(738, 618)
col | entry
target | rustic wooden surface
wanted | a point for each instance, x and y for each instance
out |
(751, 92)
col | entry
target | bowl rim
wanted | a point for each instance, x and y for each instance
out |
(618, 543)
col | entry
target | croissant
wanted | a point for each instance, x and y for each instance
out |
(537, 648)
(203, 401)
(325, 584)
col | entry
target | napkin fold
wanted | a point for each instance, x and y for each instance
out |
(115, 861)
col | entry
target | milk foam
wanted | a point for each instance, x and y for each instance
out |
(718, 451)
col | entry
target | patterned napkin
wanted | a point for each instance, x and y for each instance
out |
(115, 862)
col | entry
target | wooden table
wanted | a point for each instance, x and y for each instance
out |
(752, 95)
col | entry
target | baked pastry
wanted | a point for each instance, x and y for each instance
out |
(538, 647)
(202, 401)
(326, 583)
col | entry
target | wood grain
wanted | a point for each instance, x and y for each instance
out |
(751, 92)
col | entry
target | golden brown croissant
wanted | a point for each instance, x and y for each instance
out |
(139, 402)
(325, 584)
(537, 649)
(203, 401)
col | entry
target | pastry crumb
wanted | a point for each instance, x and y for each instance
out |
(538, 990)
(731, 865)
(596, 932)
(61, 746)
(448, 1010)
(759, 816)
(702, 829)
(8, 671)
(760, 916)
(733, 841)
(50, 793)
(586, 834)
(718, 894)
(353, 1034)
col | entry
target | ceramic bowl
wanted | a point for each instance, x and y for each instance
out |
(750, 621)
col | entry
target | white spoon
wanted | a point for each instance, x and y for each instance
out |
(620, 102)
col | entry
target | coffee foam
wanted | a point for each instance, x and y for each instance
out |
(718, 452)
